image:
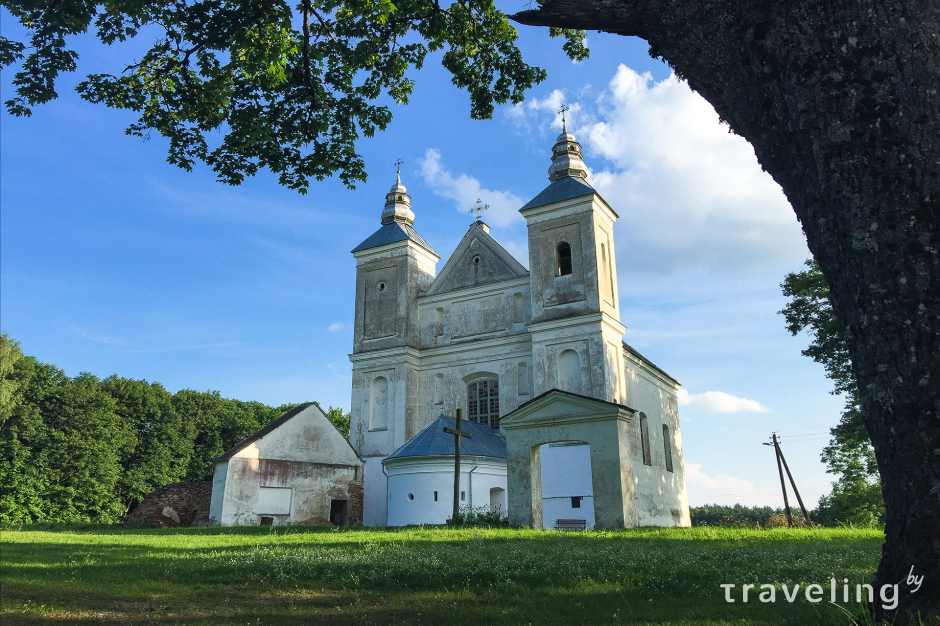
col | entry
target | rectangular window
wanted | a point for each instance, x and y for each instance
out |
(483, 402)
(576, 502)
(645, 440)
(435, 494)
(463, 495)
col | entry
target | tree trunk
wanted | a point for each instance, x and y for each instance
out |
(841, 101)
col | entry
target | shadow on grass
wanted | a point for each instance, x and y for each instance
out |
(417, 576)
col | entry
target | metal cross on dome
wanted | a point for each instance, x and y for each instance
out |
(479, 208)
(564, 107)
(398, 163)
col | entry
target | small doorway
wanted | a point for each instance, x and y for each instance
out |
(338, 512)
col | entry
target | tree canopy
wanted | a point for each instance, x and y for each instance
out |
(289, 88)
(88, 450)
(856, 496)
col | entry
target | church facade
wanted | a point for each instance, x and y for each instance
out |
(488, 336)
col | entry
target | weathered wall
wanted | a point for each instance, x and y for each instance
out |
(661, 496)
(605, 428)
(486, 316)
(578, 222)
(290, 474)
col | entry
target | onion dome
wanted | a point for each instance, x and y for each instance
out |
(398, 205)
(566, 157)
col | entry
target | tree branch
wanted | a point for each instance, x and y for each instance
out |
(621, 18)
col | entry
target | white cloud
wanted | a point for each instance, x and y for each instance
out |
(699, 480)
(719, 402)
(335, 326)
(465, 190)
(544, 113)
(723, 489)
(689, 193)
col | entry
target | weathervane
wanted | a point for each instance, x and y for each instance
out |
(479, 208)
(564, 107)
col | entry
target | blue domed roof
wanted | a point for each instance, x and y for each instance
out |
(433, 441)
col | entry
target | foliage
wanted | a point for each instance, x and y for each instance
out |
(449, 576)
(739, 516)
(163, 439)
(340, 420)
(855, 503)
(88, 450)
(479, 517)
(779, 520)
(10, 354)
(849, 454)
(288, 88)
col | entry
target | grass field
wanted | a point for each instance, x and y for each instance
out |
(213, 576)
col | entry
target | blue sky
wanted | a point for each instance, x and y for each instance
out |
(113, 261)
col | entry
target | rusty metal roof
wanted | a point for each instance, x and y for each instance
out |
(433, 441)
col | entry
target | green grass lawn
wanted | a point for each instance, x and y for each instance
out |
(214, 576)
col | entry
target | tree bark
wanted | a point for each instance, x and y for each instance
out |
(841, 102)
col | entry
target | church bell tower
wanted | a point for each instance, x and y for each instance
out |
(576, 331)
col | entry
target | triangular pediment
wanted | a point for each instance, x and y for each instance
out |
(556, 406)
(478, 260)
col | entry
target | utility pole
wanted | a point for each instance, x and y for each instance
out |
(783, 485)
(790, 476)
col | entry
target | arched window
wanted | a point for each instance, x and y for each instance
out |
(378, 404)
(667, 444)
(483, 402)
(645, 440)
(569, 371)
(564, 259)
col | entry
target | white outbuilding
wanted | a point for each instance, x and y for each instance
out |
(421, 473)
(299, 469)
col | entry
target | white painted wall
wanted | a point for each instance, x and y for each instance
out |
(374, 510)
(412, 482)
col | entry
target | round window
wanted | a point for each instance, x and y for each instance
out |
(411, 496)
(382, 286)
(476, 260)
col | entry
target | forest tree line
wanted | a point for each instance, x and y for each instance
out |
(86, 449)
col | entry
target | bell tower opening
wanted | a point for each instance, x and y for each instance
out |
(564, 259)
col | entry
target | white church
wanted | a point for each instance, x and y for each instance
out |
(568, 422)
(569, 427)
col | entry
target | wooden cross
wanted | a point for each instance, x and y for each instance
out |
(478, 210)
(457, 433)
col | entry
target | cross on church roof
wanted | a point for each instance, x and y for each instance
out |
(564, 107)
(398, 163)
(479, 208)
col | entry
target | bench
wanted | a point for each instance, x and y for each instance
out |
(571, 524)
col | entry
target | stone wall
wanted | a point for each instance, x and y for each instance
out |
(177, 504)
(354, 510)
